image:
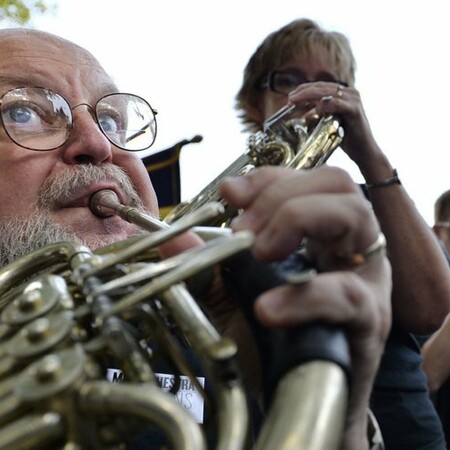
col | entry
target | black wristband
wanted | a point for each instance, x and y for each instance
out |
(384, 183)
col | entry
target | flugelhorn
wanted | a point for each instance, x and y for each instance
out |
(298, 143)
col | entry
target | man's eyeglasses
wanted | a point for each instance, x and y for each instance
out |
(285, 81)
(41, 119)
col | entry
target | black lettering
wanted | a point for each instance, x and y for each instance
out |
(185, 399)
(186, 384)
(117, 377)
(165, 382)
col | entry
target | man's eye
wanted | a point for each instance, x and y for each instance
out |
(29, 115)
(20, 114)
(109, 124)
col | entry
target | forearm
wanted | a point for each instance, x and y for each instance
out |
(421, 277)
(356, 427)
(436, 357)
(355, 432)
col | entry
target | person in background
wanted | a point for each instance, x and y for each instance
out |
(435, 350)
(66, 133)
(441, 225)
(305, 65)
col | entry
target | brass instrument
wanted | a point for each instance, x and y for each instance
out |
(68, 314)
(60, 330)
(283, 142)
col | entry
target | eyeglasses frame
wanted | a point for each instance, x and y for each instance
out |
(268, 81)
(95, 117)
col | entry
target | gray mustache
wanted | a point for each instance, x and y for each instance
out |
(60, 187)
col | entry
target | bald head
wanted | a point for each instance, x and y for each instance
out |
(23, 36)
(33, 57)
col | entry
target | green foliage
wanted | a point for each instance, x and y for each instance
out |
(21, 11)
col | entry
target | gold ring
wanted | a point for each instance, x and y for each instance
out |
(358, 258)
(339, 92)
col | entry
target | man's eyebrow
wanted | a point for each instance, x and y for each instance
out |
(14, 80)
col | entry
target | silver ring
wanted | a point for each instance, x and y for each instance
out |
(358, 258)
(339, 92)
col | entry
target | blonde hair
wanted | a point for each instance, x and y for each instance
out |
(300, 37)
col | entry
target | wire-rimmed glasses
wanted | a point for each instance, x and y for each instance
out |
(36, 118)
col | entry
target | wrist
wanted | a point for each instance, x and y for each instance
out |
(375, 168)
(363, 433)
(391, 180)
(355, 436)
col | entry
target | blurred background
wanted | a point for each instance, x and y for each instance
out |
(186, 57)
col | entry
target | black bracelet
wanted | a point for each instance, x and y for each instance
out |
(387, 182)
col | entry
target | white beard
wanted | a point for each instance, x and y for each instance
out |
(19, 236)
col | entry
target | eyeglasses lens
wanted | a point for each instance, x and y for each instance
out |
(285, 82)
(36, 118)
(127, 120)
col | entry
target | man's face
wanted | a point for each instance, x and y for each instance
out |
(319, 66)
(443, 233)
(40, 60)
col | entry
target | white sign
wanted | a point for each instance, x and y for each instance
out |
(187, 395)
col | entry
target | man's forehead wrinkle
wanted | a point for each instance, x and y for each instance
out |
(22, 37)
(95, 78)
(38, 58)
(30, 56)
(41, 45)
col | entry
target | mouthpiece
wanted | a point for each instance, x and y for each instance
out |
(105, 203)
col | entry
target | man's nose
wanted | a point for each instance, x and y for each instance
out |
(87, 143)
